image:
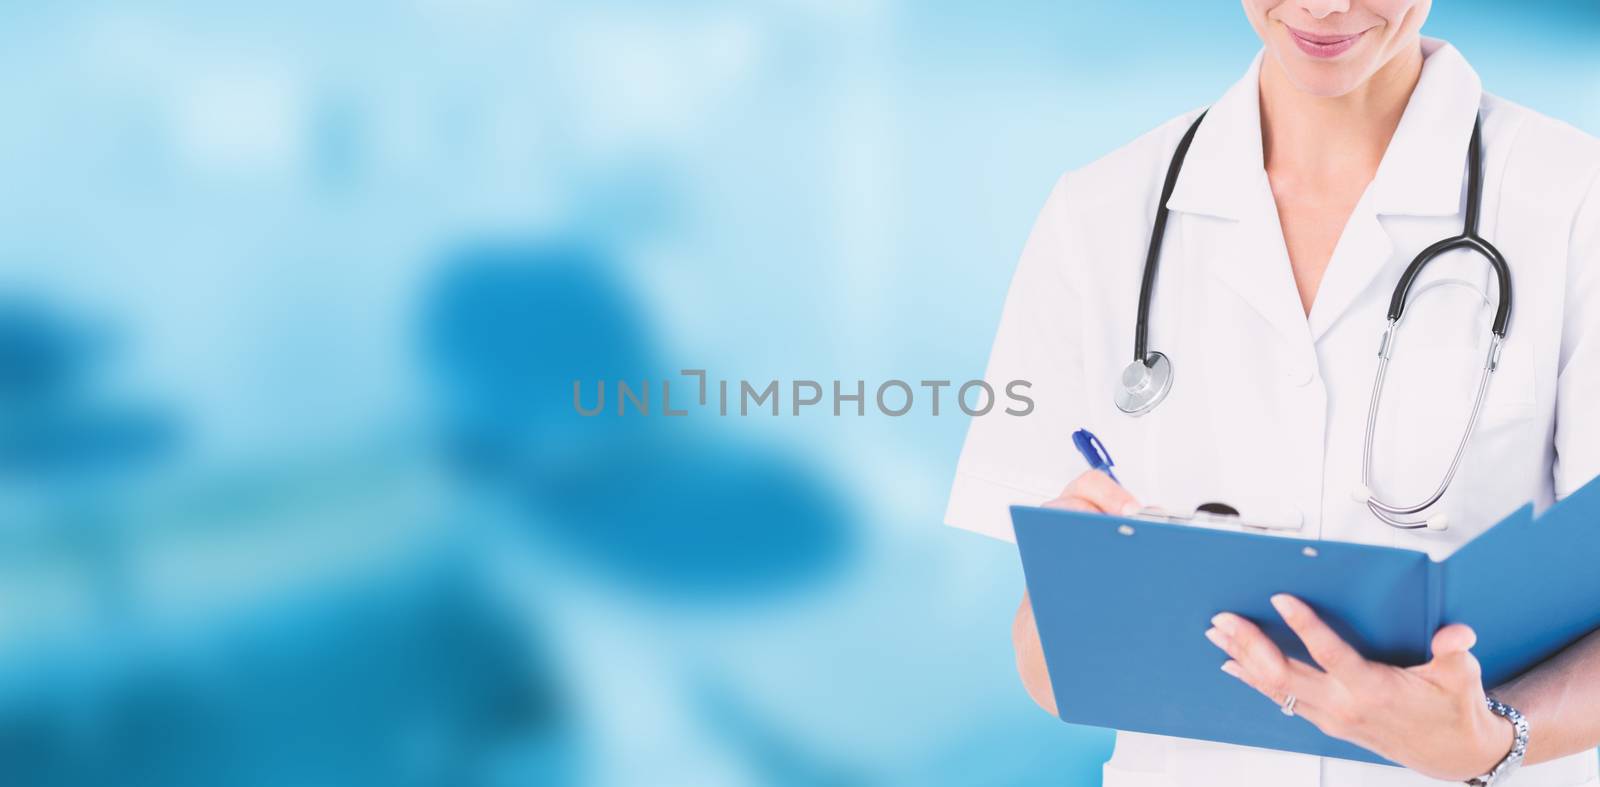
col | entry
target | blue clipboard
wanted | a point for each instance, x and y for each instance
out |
(1122, 605)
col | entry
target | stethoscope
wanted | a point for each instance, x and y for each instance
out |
(1147, 380)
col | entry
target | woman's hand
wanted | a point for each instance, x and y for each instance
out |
(1430, 718)
(1095, 491)
(1092, 491)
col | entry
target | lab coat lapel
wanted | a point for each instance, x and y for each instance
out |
(1261, 273)
(1422, 174)
(1363, 251)
(1233, 231)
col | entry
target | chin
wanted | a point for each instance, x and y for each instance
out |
(1321, 79)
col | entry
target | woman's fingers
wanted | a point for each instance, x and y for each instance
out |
(1330, 651)
(1274, 693)
(1454, 637)
(1453, 665)
(1374, 705)
(1308, 708)
(1106, 494)
(1277, 693)
(1269, 671)
(1070, 503)
(1095, 491)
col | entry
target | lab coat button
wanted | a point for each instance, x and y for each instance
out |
(1299, 376)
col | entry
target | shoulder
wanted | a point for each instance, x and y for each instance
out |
(1550, 184)
(1101, 212)
(1122, 184)
(1544, 158)
(1535, 130)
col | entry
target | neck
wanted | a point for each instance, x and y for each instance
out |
(1332, 135)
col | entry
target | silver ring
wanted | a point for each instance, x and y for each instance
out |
(1288, 706)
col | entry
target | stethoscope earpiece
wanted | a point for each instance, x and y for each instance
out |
(1361, 493)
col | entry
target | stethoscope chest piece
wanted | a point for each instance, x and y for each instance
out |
(1144, 384)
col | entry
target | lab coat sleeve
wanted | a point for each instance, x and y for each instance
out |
(1577, 430)
(1027, 459)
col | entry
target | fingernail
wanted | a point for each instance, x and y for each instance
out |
(1283, 604)
(1224, 621)
(1217, 638)
(1230, 667)
(1130, 509)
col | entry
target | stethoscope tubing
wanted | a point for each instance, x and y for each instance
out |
(1391, 513)
(1468, 239)
(1140, 397)
(1152, 257)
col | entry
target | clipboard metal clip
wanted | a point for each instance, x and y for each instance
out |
(1221, 515)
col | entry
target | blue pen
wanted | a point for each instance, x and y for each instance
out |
(1094, 452)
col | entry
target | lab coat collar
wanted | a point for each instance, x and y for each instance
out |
(1422, 170)
(1225, 162)
(1422, 173)
(1224, 177)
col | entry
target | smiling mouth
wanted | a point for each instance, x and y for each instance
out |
(1323, 45)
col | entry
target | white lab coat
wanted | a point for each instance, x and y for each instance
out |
(1268, 406)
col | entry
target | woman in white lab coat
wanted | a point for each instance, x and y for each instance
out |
(1309, 186)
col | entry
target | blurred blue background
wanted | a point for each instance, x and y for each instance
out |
(291, 295)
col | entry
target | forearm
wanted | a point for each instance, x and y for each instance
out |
(1561, 700)
(1030, 657)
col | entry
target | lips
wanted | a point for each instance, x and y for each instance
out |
(1323, 45)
